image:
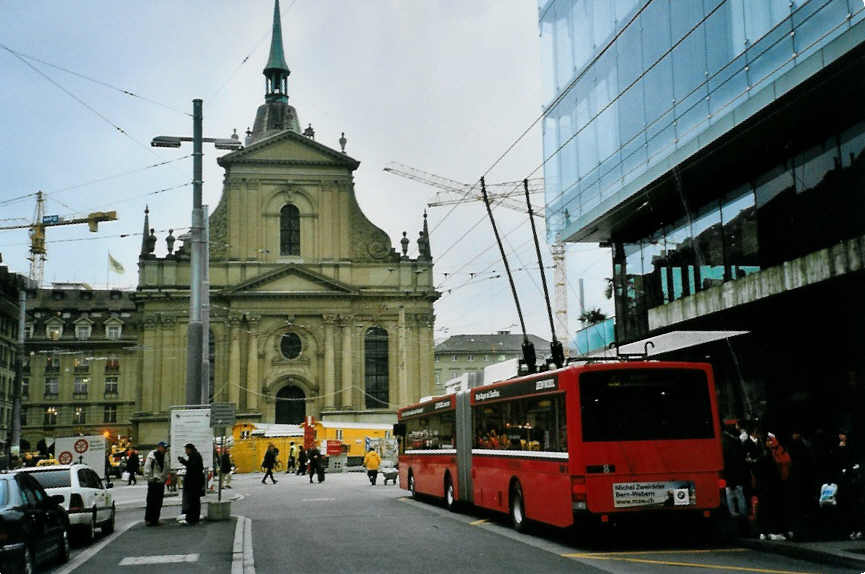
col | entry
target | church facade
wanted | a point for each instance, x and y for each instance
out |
(312, 310)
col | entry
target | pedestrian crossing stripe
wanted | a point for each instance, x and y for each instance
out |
(163, 559)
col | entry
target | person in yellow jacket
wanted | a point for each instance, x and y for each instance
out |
(372, 461)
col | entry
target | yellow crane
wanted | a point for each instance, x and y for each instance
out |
(38, 255)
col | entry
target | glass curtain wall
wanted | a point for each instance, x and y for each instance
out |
(628, 81)
(810, 201)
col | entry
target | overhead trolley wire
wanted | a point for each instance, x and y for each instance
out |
(94, 80)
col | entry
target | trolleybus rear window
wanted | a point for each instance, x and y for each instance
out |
(652, 404)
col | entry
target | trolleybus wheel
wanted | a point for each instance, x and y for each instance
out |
(411, 487)
(450, 499)
(518, 511)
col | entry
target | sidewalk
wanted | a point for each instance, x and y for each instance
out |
(171, 547)
(847, 553)
(126, 497)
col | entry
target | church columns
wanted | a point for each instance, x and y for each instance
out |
(234, 362)
(329, 386)
(404, 399)
(347, 362)
(253, 385)
(425, 354)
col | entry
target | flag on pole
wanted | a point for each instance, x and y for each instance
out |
(115, 264)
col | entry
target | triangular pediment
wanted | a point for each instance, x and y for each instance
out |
(291, 279)
(289, 147)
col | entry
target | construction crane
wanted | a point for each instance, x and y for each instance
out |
(461, 191)
(513, 189)
(38, 255)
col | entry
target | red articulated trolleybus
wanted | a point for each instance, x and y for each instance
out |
(602, 440)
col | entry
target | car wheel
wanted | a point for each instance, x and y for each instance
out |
(518, 510)
(411, 486)
(63, 552)
(108, 525)
(27, 562)
(450, 498)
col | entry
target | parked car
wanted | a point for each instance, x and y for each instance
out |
(86, 499)
(34, 527)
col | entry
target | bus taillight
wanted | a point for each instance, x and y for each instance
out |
(722, 484)
(578, 493)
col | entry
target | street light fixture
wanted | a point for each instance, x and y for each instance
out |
(198, 330)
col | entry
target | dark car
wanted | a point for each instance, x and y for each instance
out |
(34, 527)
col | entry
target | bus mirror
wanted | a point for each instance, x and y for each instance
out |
(399, 429)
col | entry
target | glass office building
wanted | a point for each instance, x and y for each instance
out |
(717, 147)
(628, 83)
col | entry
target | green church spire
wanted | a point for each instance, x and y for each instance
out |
(276, 71)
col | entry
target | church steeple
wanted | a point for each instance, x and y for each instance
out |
(276, 71)
(274, 115)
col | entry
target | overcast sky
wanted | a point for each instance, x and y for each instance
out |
(443, 86)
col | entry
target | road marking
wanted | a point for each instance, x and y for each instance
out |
(691, 564)
(648, 552)
(164, 559)
(478, 522)
(237, 547)
(90, 552)
(248, 558)
(317, 499)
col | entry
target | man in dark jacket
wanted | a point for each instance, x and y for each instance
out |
(193, 483)
(301, 460)
(736, 475)
(315, 468)
(268, 463)
(225, 467)
(132, 467)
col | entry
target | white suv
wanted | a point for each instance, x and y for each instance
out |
(87, 501)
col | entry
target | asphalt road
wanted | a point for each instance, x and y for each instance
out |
(345, 525)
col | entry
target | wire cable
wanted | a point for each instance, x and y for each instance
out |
(94, 80)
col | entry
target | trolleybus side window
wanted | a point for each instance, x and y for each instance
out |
(652, 404)
(533, 424)
(432, 432)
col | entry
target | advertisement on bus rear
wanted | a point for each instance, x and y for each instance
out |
(657, 494)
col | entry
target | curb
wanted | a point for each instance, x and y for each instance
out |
(794, 550)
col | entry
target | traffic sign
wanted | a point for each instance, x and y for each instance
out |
(50, 219)
(222, 415)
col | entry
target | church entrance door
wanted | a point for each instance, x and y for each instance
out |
(290, 405)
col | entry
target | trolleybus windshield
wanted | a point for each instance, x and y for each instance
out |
(651, 404)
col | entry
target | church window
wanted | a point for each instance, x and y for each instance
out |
(376, 368)
(289, 230)
(290, 346)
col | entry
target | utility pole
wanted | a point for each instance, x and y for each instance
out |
(197, 360)
(14, 442)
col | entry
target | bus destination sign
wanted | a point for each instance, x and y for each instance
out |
(430, 407)
(516, 390)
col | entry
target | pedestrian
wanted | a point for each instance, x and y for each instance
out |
(851, 490)
(155, 472)
(736, 475)
(132, 467)
(371, 461)
(804, 481)
(269, 462)
(302, 459)
(761, 466)
(193, 483)
(785, 498)
(315, 466)
(292, 455)
(225, 467)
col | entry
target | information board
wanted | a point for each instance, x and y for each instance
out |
(191, 425)
(89, 450)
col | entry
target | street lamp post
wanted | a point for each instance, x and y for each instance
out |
(197, 375)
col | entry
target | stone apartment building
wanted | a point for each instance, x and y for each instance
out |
(460, 354)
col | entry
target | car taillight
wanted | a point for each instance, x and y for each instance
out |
(76, 504)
